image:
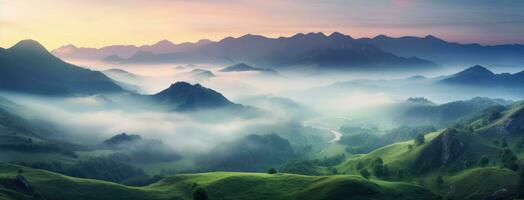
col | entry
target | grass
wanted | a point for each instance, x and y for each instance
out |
(219, 185)
(478, 183)
(396, 156)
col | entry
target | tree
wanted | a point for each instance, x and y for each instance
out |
(359, 166)
(364, 173)
(419, 140)
(484, 161)
(503, 143)
(199, 194)
(272, 171)
(439, 181)
(377, 167)
(333, 170)
(521, 183)
(508, 159)
(400, 174)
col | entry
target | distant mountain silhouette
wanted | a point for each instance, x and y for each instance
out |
(336, 51)
(481, 76)
(117, 52)
(28, 67)
(443, 52)
(182, 96)
(242, 67)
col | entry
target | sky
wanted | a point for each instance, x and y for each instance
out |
(97, 23)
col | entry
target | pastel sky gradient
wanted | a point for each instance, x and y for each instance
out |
(96, 23)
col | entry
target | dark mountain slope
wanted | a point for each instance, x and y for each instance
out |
(479, 76)
(28, 67)
(183, 96)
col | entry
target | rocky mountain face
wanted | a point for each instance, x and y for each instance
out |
(441, 151)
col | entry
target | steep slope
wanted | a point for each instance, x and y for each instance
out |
(28, 67)
(219, 185)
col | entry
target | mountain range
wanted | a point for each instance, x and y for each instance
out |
(29, 68)
(317, 50)
(449, 53)
(164, 46)
(314, 49)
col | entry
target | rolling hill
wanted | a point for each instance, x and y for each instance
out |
(219, 185)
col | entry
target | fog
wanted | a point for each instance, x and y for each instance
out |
(318, 102)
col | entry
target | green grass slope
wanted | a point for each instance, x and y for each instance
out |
(219, 185)
(481, 183)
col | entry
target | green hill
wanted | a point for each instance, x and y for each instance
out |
(219, 185)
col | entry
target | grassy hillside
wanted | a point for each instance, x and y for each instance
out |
(219, 185)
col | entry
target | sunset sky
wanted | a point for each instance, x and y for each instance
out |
(95, 23)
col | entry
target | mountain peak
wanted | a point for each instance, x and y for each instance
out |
(338, 35)
(164, 42)
(382, 36)
(478, 69)
(183, 96)
(29, 45)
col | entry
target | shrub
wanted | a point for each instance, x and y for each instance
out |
(272, 171)
(419, 140)
(484, 161)
(508, 159)
(439, 181)
(359, 166)
(400, 174)
(364, 173)
(199, 194)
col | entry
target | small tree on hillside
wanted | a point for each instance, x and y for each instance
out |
(199, 194)
(503, 143)
(439, 181)
(400, 174)
(364, 173)
(420, 139)
(520, 186)
(484, 161)
(359, 166)
(272, 171)
(508, 159)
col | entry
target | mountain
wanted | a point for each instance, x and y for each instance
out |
(480, 76)
(316, 50)
(200, 74)
(242, 67)
(416, 113)
(115, 52)
(28, 67)
(183, 96)
(443, 52)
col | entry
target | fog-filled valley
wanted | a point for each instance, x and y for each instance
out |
(153, 117)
